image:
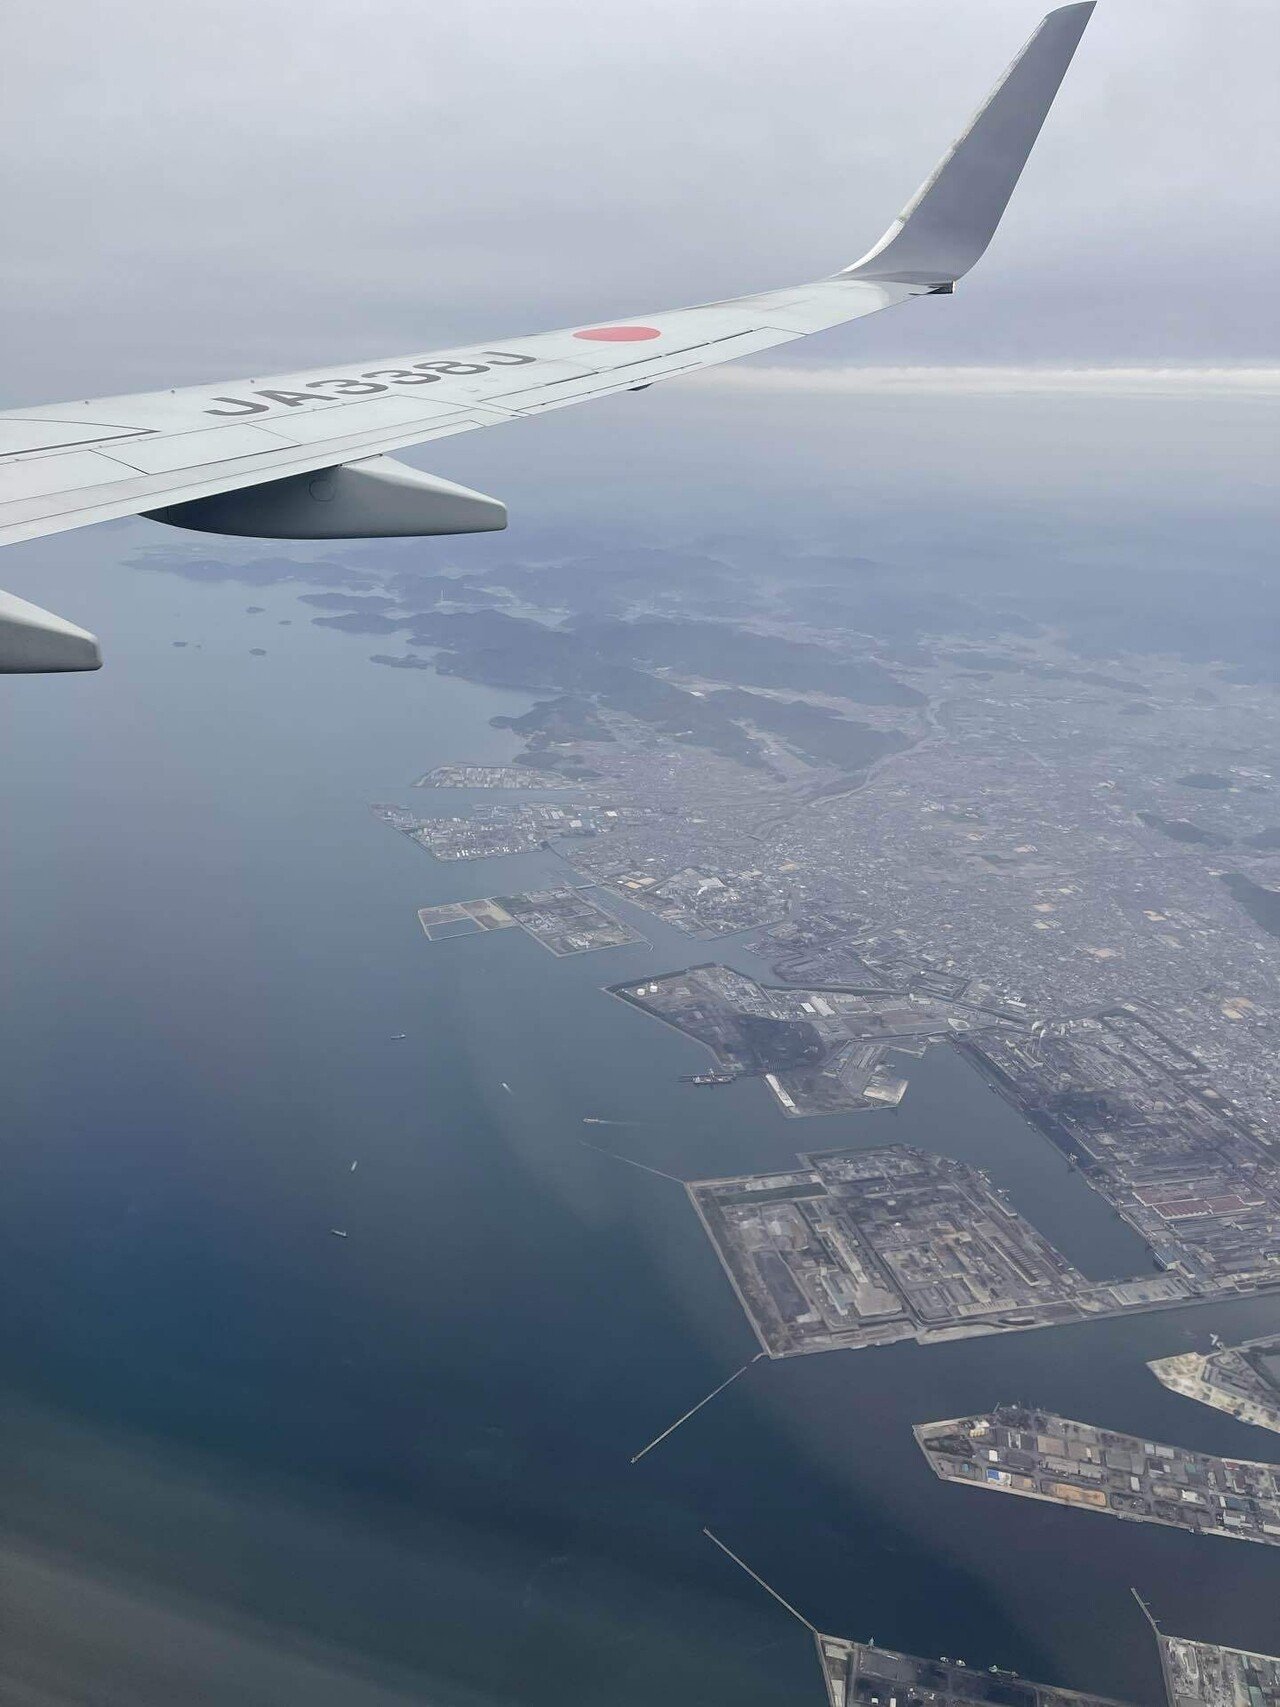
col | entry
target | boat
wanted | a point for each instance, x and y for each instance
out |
(337, 1232)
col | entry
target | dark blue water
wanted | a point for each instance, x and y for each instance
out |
(251, 1457)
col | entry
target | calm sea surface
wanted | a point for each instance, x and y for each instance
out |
(403, 1456)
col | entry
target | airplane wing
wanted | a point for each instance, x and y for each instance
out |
(304, 455)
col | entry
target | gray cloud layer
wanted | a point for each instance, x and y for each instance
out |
(220, 187)
(229, 186)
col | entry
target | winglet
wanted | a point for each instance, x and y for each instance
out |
(952, 217)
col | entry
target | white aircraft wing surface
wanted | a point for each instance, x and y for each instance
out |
(304, 455)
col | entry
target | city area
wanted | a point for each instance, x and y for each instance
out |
(1077, 865)
(1044, 1457)
(487, 831)
(921, 864)
(913, 828)
(490, 776)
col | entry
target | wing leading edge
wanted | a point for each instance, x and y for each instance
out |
(304, 455)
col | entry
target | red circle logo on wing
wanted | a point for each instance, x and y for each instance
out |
(619, 334)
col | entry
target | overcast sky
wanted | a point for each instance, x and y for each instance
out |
(228, 185)
(223, 187)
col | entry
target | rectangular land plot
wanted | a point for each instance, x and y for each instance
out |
(462, 918)
(566, 922)
(863, 1247)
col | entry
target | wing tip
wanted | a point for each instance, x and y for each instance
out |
(949, 222)
(1081, 10)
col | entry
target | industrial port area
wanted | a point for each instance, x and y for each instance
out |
(1243, 1380)
(820, 1051)
(1201, 1674)
(865, 1247)
(1195, 1674)
(1136, 1112)
(1066, 876)
(1044, 1457)
(1127, 1105)
(860, 1674)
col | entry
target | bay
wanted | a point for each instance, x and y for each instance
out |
(395, 1466)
